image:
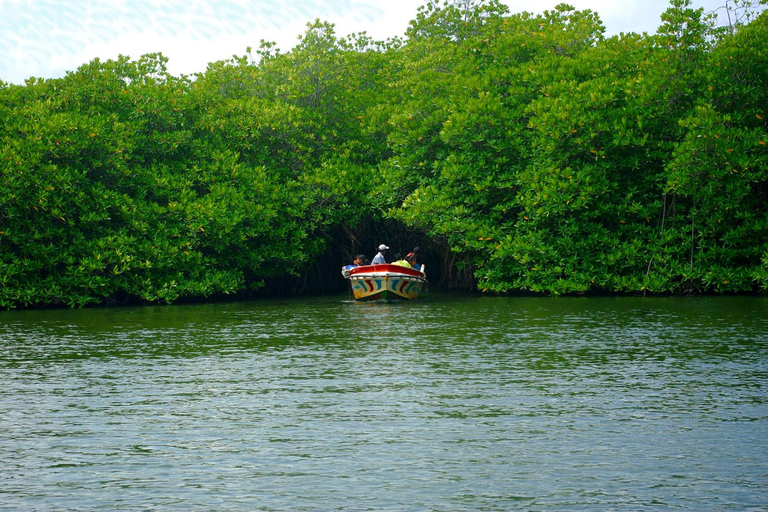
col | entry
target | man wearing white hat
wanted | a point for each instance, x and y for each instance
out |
(379, 258)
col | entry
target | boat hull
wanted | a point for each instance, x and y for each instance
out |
(386, 282)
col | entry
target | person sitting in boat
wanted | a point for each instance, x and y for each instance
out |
(379, 259)
(413, 258)
(399, 260)
(360, 259)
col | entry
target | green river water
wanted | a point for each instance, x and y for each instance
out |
(450, 403)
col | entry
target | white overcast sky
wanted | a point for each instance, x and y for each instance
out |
(46, 38)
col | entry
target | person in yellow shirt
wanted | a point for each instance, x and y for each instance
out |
(401, 261)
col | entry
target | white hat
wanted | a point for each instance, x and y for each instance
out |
(383, 247)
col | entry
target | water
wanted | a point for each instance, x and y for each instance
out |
(450, 403)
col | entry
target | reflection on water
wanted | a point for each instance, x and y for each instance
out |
(453, 402)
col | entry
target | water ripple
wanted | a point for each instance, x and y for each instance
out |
(452, 403)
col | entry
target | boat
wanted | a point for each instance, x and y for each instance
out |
(385, 281)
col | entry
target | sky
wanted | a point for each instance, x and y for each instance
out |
(47, 38)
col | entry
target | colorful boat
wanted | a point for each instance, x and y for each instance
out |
(387, 282)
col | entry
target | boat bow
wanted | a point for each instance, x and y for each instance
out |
(387, 281)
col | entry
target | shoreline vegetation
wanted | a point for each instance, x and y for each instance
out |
(524, 153)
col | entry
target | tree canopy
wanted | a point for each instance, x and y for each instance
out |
(534, 153)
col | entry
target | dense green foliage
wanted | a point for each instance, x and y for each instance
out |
(543, 156)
